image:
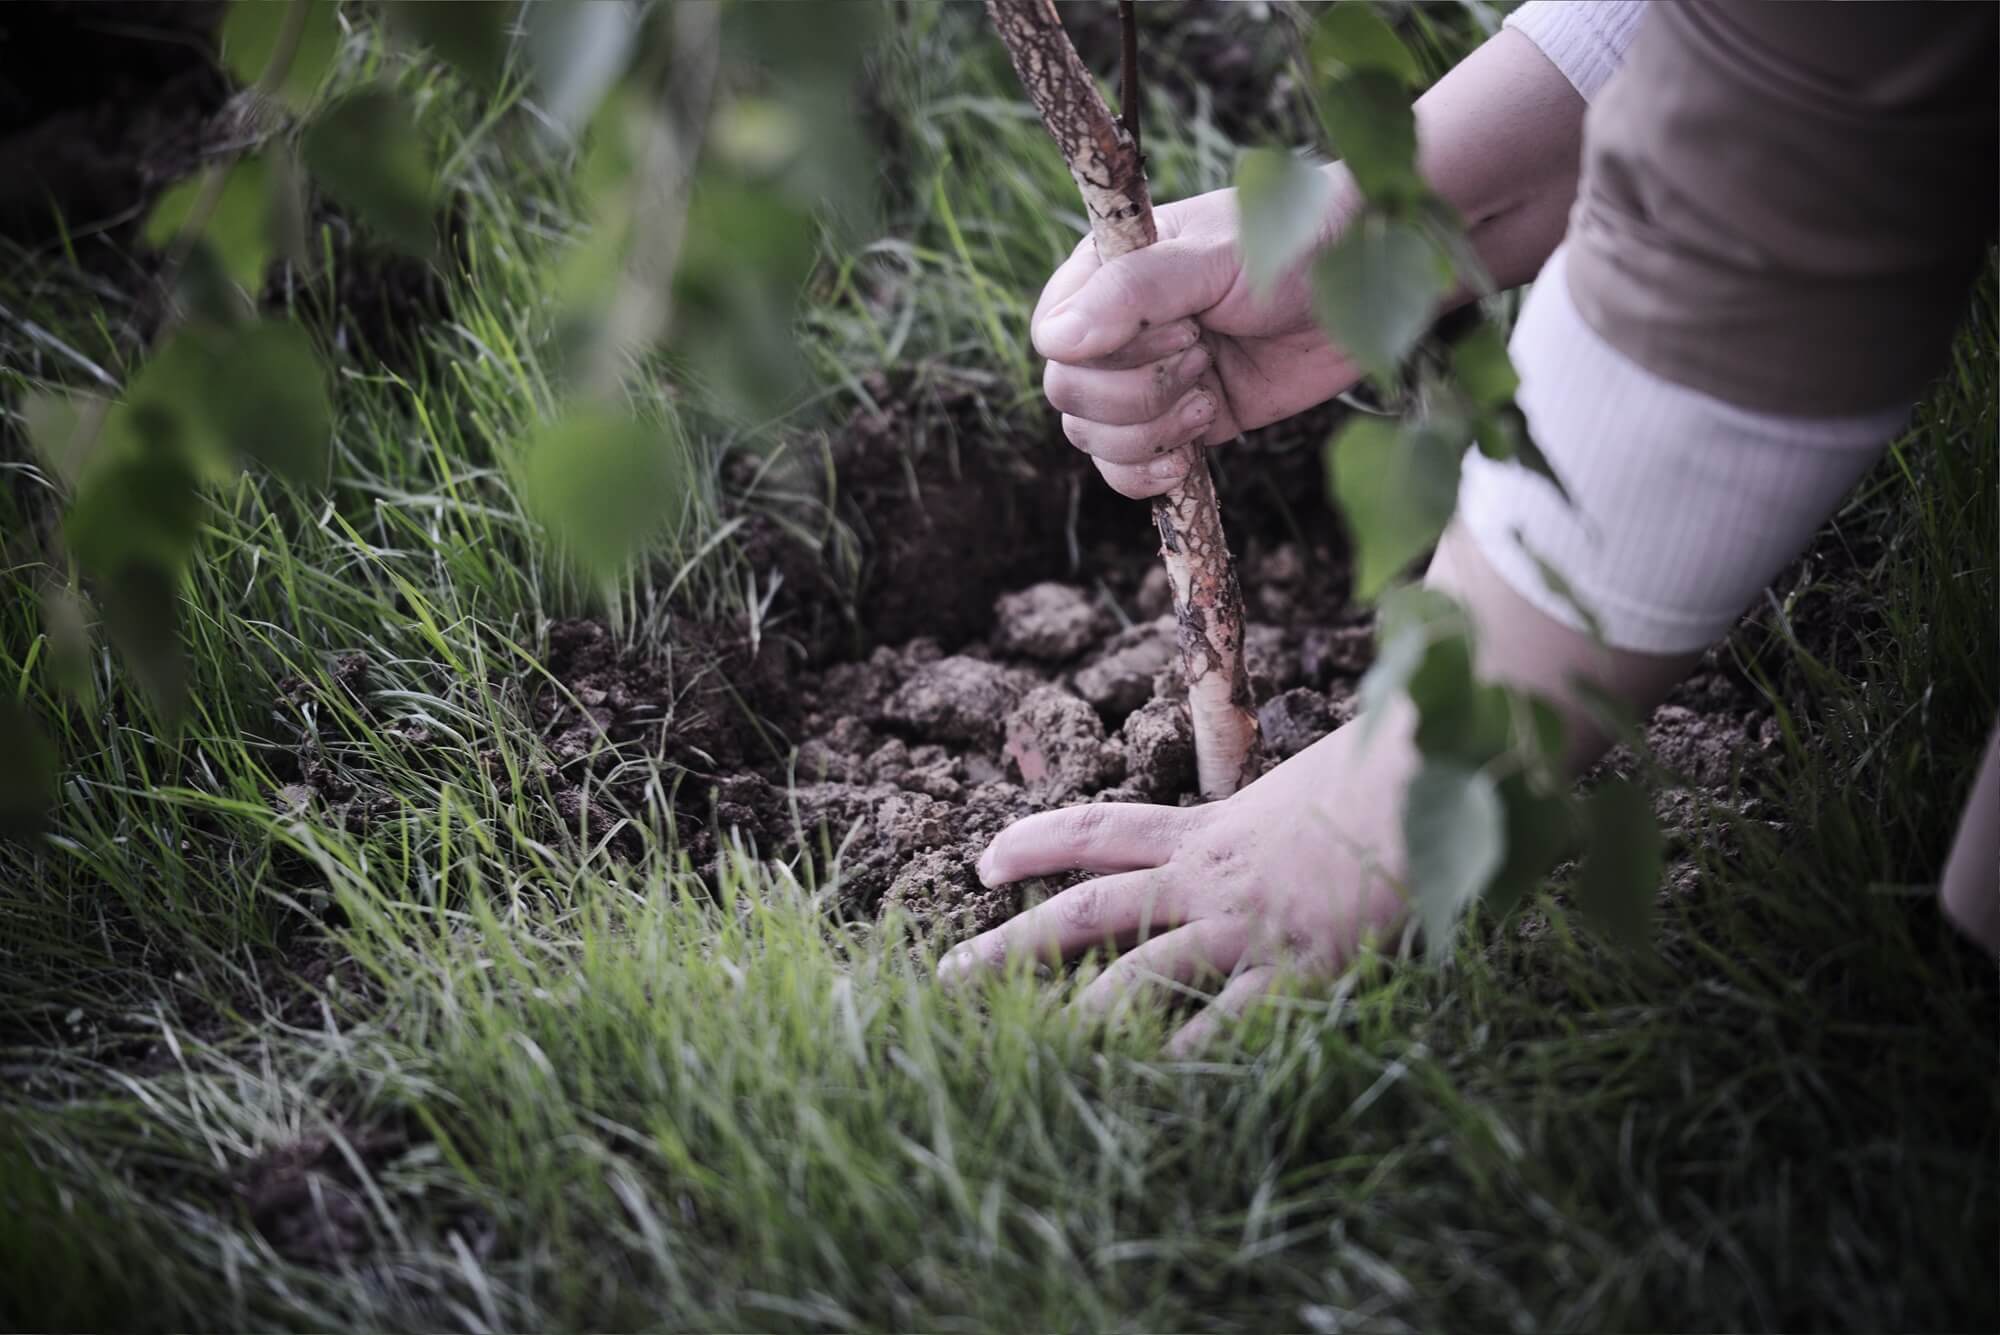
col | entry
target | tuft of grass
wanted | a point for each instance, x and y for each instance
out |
(408, 1048)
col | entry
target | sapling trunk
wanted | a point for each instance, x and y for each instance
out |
(1104, 160)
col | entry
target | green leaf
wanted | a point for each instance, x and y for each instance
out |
(748, 253)
(166, 409)
(1455, 831)
(1352, 36)
(1409, 619)
(239, 228)
(1376, 289)
(133, 528)
(66, 631)
(369, 154)
(1431, 612)
(1281, 200)
(605, 485)
(812, 58)
(142, 510)
(1367, 114)
(1622, 860)
(1458, 717)
(250, 37)
(266, 396)
(142, 612)
(1543, 737)
(1541, 829)
(222, 397)
(206, 294)
(469, 35)
(1503, 434)
(1480, 363)
(27, 772)
(1396, 489)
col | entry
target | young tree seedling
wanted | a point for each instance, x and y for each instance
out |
(1103, 158)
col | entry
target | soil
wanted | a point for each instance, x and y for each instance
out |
(995, 642)
(987, 676)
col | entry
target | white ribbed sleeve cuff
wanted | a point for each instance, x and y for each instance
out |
(1685, 507)
(1585, 39)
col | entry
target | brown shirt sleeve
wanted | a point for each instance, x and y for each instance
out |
(1783, 205)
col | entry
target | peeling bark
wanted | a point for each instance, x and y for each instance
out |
(1105, 163)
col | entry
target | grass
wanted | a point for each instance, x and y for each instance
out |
(548, 1086)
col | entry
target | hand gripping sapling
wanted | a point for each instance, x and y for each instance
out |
(1104, 160)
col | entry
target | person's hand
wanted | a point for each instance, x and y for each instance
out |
(1128, 341)
(1293, 872)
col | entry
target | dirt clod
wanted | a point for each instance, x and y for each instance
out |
(1121, 679)
(1048, 622)
(1159, 750)
(1295, 720)
(940, 891)
(957, 699)
(1055, 745)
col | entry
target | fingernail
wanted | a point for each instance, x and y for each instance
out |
(1186, 332)
(985, 869)
(1168, 468)
(1191, 364)
(1063, 331)
(1197, 409)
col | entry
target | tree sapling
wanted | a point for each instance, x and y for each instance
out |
(1103, 157)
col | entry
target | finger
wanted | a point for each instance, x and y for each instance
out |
(1190, 416)
(1228, 1006)
(1068, 278)
(1103, 912)
(1141, 481)
(1168, 281)
(1094, 837)
(1161, 340)
(1128, 397)
(1202, 951)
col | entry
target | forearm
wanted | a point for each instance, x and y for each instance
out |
(1499, 139)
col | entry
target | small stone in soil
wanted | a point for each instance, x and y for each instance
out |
(1049, 622)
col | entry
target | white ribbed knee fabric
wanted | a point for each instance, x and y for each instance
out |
(1684, 506)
